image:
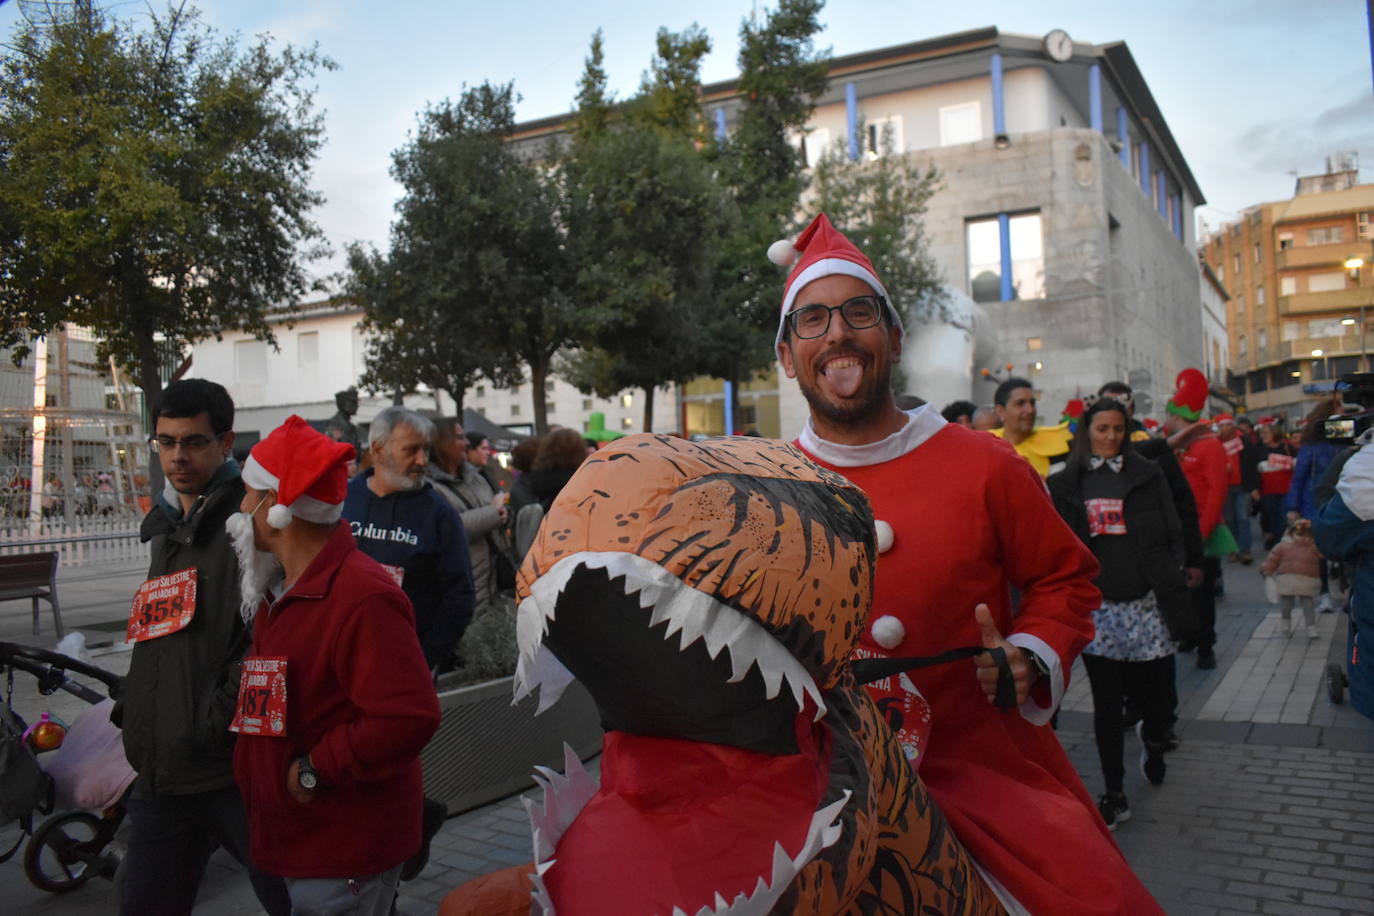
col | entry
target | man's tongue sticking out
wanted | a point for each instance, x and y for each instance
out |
(844, 374)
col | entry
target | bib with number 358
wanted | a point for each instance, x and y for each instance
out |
(163, 605)
(262, 698)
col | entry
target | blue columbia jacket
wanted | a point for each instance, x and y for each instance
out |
(1342, 535)
(419, 537)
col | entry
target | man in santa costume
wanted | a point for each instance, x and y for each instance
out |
(962, 520)
(336, 702)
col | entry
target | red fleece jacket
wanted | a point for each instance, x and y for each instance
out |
(1204, 464)
(360, 702)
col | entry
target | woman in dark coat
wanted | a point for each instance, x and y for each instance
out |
(1119, 504)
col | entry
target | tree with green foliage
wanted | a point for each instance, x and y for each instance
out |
(642, 208)
(475, 279)
(782, 74)
(154, 185)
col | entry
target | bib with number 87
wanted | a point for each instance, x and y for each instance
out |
(262, 698)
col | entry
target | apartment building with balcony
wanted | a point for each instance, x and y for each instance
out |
(1298, 317)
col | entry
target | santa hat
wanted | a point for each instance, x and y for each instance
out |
(821, 251)
(308, 470)
(1191, 395)
(1222, 418)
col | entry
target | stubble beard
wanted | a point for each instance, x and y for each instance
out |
(871, 402)
(259, 570)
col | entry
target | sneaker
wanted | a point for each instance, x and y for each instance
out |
(1171, 740)
(1311, 632)
(1151, 757)
(1324, 605)
(1206, 658)
(1114, 808)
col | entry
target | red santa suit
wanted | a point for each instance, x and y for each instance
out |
(970, 519)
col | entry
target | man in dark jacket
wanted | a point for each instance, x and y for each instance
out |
(183, 677)
(400, 521)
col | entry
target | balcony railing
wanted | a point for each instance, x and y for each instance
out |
(1333, 301)
(1318, 255)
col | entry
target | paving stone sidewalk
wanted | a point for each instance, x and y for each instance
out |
(1268, 806)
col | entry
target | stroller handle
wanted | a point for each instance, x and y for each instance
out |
(51, 669)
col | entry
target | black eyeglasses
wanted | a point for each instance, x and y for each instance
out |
(187, 443)
(811, 321)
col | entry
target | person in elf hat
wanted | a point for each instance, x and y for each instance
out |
(1204, 464)
(962, 520)
(1045, 447)
(336, 700)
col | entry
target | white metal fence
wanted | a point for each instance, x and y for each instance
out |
(89, 542)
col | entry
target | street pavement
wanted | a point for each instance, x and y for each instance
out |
(1268, 805)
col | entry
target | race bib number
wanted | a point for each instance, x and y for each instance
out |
(1278, 461)
(162, 605)
(397, 573)
(1233, 445)
(1105, 516)
(907, 712)
(262, 698)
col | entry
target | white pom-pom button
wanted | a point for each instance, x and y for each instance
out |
(888, 631)
(279, 516)
(782, 252)
(884, 533)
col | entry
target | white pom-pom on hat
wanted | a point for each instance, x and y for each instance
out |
(279, 516)
(888, 631)
(783, 253)
(883, 531)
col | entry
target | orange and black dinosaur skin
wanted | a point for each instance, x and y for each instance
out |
(708, 595)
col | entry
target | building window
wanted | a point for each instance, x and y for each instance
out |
(1026, 252)
(481, 390)
(308, 349)
(1327, 282)
(626, 423)
(250, 361)
(1259, 295)
(586, 403)
(961, 124)
(627, 400)
(1263, 338)
(1292, 330)
(1240, 307)
(1331, 235)
(1257, 253)
(813, 145)
(1325, 327)
(1288, 286)
(884, 137)
(549, 407)
(1285, 241)
(1237, 265)
(1034, 343)
(515, 410)
(1366, 224)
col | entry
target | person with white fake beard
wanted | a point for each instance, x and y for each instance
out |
(335, 702)
(183, 678)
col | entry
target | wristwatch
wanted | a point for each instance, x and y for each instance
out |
(1036, 663)
(306, 777)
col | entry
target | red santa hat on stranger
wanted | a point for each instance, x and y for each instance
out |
(820, 251)
(307, 469)
(1190, 396)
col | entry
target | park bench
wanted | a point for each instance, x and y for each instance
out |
(32, 575)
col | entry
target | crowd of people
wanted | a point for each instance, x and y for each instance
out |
(283, 712)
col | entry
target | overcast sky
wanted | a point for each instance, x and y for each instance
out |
(1253, 90)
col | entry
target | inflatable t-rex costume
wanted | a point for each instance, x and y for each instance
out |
(708, 595)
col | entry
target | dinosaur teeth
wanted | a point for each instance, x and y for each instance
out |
(689, 614)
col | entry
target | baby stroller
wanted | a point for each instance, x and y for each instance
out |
(82, 774)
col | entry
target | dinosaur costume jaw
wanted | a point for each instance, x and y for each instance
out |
(594, 606)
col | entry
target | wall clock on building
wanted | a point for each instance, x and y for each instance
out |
(1058, 45)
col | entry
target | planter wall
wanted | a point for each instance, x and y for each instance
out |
(486, 749)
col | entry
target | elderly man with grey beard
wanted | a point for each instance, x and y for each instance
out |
(400, 521)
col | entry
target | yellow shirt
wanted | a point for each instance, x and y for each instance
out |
(1044, 443)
